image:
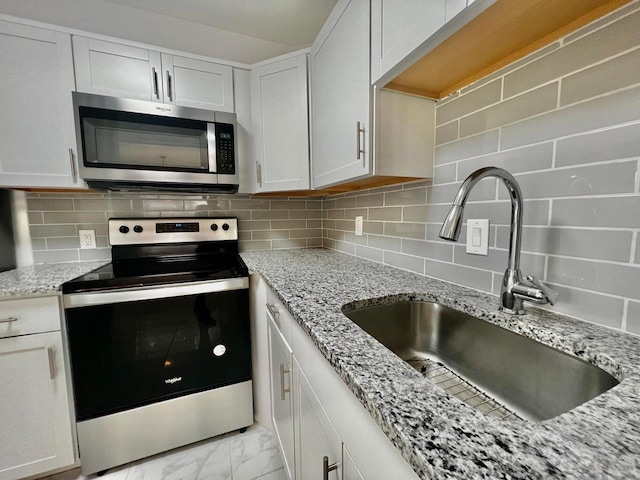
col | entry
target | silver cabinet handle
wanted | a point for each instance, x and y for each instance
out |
(52, 362)
(8, 320)
(359, 149)
(72, 160)
(169, 89)
(273, 310)
(326, 468)
(259, 173)
(156, 92)
(283, 390)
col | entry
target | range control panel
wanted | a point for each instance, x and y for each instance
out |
(142, 231)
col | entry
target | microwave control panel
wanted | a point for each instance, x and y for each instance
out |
(225, 149)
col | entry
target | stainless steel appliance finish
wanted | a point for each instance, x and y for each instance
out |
(530, 379)
(514, 290)
(133, 145)
(125, 436)
(159, 340)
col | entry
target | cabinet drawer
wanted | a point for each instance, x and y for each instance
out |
(279, 314)
(29, 315)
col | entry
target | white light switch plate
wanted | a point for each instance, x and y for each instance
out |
(359, 226)
(478, 237)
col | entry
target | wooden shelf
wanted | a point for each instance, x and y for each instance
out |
(503, 33)
(363, 184)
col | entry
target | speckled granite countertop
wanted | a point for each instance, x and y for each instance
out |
(40, 280)
(441, 437)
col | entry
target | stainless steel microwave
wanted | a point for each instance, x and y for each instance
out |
(134, 145)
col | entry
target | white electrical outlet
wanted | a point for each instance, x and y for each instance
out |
(87, 238)
(359, 226)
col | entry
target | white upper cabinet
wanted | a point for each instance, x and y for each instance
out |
(340, 95)
(398, 27)
(280, 124)
(118, 70)
(36, 120)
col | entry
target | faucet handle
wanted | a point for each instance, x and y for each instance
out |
(551, 294)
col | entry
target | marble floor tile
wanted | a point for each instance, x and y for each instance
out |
(251, 455)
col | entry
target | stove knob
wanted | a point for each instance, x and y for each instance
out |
(137, 229)
(124, 229)
(225, 226)
(214, 227)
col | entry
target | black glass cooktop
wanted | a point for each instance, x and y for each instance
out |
(159, 270)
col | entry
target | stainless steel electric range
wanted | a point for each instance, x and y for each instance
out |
(159, 340)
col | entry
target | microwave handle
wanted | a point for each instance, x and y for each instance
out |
(211, 147)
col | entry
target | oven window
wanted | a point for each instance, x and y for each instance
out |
(131, 354)
(129, 140)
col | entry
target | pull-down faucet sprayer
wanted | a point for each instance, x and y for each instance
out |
(514, 290)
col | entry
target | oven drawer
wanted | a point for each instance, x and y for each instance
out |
(29, 315)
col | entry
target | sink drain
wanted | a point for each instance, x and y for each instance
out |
(459, 388)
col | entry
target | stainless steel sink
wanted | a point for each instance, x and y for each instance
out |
(493, 370)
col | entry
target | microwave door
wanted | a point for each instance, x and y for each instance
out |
(211, 147)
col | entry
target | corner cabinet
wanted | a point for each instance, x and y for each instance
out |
(36, 435)
(324, 432)
(340, 99)
(38, 136)
(120, 70)
(279, 101)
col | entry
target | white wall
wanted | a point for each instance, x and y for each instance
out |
(106, 18)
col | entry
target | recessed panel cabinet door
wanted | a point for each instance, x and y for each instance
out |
(197, 84)
(281, 395)
(36, 118)
(280, 119)
(117, 70)
(340, 96)
(34, 414)
(319, 448)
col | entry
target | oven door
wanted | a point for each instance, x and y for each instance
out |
(133, 347)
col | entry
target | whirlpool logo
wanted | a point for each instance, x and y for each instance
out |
(171, 381)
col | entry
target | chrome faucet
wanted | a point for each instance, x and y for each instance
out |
(514, 289)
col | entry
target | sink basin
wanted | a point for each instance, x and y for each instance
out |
(493, 370)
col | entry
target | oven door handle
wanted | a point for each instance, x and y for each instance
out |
(87, 299)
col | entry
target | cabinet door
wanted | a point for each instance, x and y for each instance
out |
(281, 128)
(107, 68)
(194, 83)
(349, 469)
(340, 95)
(315, 436)
(281, 396)
(36, 119)
(36, 425)
(397, 28)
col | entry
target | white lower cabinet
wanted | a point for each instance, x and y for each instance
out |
(314, 413)
(280, 363)
(319, 449)
(35, 416)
